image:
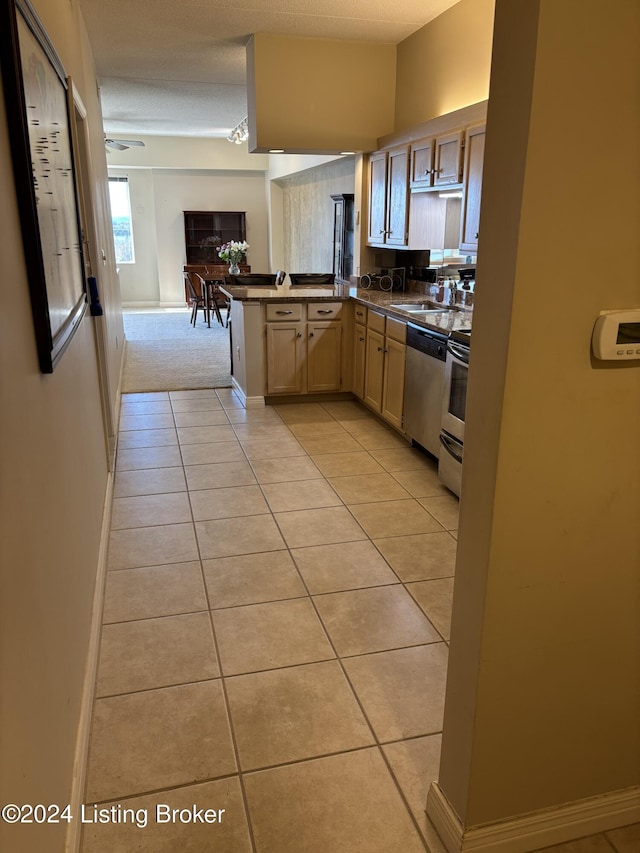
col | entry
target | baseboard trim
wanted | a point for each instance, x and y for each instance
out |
(247, 402)
(535, 830)
(156, 304)
(72, 843)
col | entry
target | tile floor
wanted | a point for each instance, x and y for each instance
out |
(275, 630)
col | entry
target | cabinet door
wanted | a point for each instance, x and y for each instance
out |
(448, 162)
(324, 355)
(285, 358)
(374, 373)
(474, 159)
(422, 163)
(397, 191)
(393, 385)
(377, 196)
(359, 359)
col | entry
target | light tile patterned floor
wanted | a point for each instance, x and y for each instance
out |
(276, 614)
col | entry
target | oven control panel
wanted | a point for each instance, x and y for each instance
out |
(616, 335)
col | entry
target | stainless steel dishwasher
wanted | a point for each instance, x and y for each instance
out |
(424, 386)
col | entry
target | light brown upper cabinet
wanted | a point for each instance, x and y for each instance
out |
(388, 189)
(474, 159)
(422, 164)
(436, 162)
(377, 196)
(448, 160)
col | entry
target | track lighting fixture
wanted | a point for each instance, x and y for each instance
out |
(240, 132)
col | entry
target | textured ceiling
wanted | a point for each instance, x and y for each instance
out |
(177, 67)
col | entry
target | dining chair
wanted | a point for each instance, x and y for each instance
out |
(218, 300)
(312, 277)
(197, 296)
(254, 279)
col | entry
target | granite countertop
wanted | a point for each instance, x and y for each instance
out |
(288, 293)
(447, 321)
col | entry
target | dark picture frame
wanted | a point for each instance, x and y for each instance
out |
(36, 101)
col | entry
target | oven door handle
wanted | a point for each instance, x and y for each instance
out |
(461, 353)
(449, 447)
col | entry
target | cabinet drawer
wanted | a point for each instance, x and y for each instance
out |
(396, 330)
(284, 311)
(361, 314)
(324, 310)
(375, 321)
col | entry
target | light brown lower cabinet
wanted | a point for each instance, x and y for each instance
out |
(384, 361)
(359, 359)
(286, 351)
(324, 355)
(393, 382)
(303, 357)
(374, 370)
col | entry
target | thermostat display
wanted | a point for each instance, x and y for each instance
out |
(616, 335)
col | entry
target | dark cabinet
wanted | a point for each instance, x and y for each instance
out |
(343, 235)
(205, 231)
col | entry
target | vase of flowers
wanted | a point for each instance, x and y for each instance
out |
(235, 253)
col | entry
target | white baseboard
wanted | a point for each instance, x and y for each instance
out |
(247, 402)
(536, 829)
(155, 304)
(72, 843)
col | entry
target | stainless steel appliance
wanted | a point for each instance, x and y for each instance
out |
(455, 399)
(424, 382)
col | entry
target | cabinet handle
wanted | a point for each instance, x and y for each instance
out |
(476, 235)
(380, 349)
(284, 312)
(382, 231)
(361, 339)
(299, 335)
(325, 310)
(310, 334)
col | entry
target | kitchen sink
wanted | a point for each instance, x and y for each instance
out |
(418, 308)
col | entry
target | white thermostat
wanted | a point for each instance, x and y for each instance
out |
(616, 335)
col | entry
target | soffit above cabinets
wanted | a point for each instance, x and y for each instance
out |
(168, 68)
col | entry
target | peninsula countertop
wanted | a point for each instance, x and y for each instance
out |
(447, 318)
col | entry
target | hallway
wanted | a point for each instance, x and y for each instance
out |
(265, 647)
(275, 630)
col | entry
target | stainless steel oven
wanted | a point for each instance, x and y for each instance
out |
(453, 414)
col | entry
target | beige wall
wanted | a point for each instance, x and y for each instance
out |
(318, 95)
(53, 476)
(176, 191)
(445, 65)
(172, 152)
(188, 174)
(139, 282)
(542, 698)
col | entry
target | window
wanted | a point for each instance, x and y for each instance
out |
(121, 220)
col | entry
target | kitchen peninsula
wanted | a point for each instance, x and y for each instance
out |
(303, 340)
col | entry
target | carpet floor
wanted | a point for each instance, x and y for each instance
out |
(166, 353)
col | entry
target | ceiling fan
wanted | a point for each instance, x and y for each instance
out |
(121, 144)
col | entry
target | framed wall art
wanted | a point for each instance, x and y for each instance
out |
(35, 91)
